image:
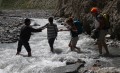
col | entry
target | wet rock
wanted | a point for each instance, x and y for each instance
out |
(72, 68)
(108, 70)
(73, 62)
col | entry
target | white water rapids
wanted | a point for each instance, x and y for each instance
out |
(43, 61)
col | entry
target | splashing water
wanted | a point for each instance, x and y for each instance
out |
(43, 61)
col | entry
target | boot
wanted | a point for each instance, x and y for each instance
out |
(29, 54)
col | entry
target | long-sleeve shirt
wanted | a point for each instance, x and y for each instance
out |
(26, 32)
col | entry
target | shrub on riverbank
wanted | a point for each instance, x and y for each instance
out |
(28, 4)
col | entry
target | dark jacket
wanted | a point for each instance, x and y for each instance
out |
(26, 33)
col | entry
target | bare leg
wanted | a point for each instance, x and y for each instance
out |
(70, 45)
(100, 47)
(78, 49)
(105, 47)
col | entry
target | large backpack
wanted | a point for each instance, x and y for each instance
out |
(107, 20)
(79, 27)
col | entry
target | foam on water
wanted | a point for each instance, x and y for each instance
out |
(1, 71)
(43, 61)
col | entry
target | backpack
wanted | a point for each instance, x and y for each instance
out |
(107, 21)
(79, 27)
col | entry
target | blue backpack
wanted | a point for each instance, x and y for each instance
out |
(79, 27)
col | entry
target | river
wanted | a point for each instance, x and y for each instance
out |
(43, 61)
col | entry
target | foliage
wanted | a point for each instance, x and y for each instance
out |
(28, 4)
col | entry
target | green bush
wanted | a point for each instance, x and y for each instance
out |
(28, 4)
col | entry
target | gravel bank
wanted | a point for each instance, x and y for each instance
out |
(10, 22)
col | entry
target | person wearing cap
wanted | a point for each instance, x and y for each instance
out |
(25, 35)
(99, 26)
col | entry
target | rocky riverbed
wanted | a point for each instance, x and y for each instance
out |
(11, 22)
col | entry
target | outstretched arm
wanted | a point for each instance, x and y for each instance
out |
(63, 30)
(35, 30)
(43, 27)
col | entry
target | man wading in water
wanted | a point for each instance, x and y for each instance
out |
(25, 35)
(100, 27)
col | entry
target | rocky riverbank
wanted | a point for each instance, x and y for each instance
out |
(81, 9)
(11, 22)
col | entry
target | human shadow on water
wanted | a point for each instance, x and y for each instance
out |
(111, 55)
(58, 51)
(107, 56)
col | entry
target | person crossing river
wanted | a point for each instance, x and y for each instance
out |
(100, 26)
(25, 35)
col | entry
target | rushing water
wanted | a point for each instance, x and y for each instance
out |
(43, 61)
